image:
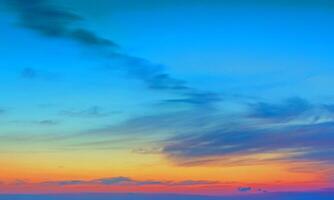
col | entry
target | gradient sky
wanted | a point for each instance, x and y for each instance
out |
(198, 97)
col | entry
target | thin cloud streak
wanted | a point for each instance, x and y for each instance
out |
(124, 181)
(93, 111)
(54, 22)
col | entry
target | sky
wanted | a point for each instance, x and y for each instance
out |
(213, 98)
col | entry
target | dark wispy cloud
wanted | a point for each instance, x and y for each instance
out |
(170, 122)
(310, 142)
(192, 182)
(291, 109)
(64, 183)
(44, 122)
(2, 111)
(19, 182)
(286, 110)
(115, 181)
(329, 107)
(30, 73)
(197, 98)
(153, 75)
(127, 181)
(93, 111)
(89, 38)
(156, 78)
(262, 190)
(244, 189)
(204, 136)
(52, 21)
(48, 122)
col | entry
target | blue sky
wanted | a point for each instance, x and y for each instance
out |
(265, 52)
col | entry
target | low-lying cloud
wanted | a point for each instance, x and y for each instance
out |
(126, 181)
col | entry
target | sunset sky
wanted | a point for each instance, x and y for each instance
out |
(214, 97)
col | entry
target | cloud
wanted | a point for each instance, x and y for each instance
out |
(19, 182)
(192, 182)
(298, 142)
(2, 111)
(93, 111)
(28, 73)
(115, 181)
(288, 109)
(55, 22)
(64, 183)
(90, 38)
(202, 136)
(126, 181)
(197, 98)
(31, 73)
(48, 122)
(262, 190)
(244, 189)
(52, 21)
(45, 122)
(328, 107)
(153, 75)
(170, 122)
(155, 78)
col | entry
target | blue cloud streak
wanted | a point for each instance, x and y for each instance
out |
(54, 22)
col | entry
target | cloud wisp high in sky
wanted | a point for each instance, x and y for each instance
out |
(40, 16)
(54, 22)
(216, 98)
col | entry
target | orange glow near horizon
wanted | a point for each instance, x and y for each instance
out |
(270, 176)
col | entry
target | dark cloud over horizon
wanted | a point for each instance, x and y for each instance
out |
(126, 181)
(244, 189)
